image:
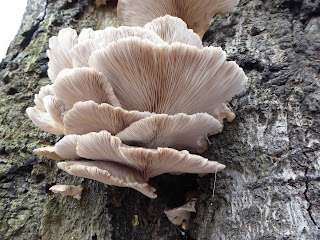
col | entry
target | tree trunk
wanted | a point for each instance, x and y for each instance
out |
(270, 188)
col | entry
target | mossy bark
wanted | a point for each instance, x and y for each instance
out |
(270, 188)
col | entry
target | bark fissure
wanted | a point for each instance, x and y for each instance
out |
(307, 180)
(29, 34)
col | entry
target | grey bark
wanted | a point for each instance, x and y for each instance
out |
(271, 186)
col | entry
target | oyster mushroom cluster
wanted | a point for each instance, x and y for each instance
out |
(133, 101)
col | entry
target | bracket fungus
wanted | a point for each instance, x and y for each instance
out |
(196, 13)
(181, 215)
(129, 99)
(68, 190)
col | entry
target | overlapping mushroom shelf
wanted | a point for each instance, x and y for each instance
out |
(196, 13)
(126, 98)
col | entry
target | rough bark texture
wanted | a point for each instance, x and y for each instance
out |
(271, 186)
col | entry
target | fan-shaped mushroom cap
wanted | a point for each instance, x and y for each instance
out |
(59, 51)
(149, 162)
(196, 13)
(173, 29)
(89, 116)
(38, 98)
(168, 78)
(55, 109)
(109, 173)
(48, 152)
(181, 215)
(43, 120)
(82, 51)
(82, 84)
(68, 190)
(66, 147)
(179, 131)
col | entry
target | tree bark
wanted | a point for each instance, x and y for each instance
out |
(270, 188)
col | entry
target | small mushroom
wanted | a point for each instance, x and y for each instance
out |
(68, 190)
(196, 13)
(173, 29)
(48, 151)
(181, 215)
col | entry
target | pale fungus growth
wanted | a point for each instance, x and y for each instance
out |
(132, 100)
(68, 190)
(181, 215)
(196, 13)
(148, 162)
(110, 173)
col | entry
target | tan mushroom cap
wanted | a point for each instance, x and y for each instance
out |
(196, 13)
(81, 52)
(68, 190)
(82, 84)
(180, 131)
(48, 152)
(173, 29)
(110, 173)
(181, 215)
(168, 78)
(59, 56)
(149, 162)
(89, 116)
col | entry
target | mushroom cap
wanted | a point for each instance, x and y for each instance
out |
(89, 116)
(110, 173)
(196, 13)
(59, 53)
(68, 190)
(149, 162)
(168, 79)
(181, 215)
(82, 84)
(173, 29)
(82, 51)
(48, 152)
(180, 131)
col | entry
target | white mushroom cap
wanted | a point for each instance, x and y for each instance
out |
(38, 98)
(109, 173)
(181, 215)
(173, 29)
(89, 116)
(168, 78)
(81, 52)
(68, 190)
(43, 120)
(82, 84)
(196, 13)
(48, 152)
(149, 162)
(180, 131)
(59, 51)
